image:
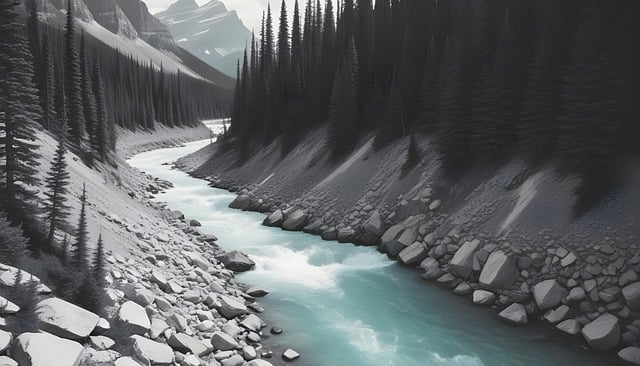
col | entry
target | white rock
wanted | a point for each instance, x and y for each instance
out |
(499, 271)
(252, 322)
(158, 327)
(603, 333)
(515, 314)
(126, 361)
(569, 326)
(135, 316)
(461, 264)
(260, 363)
(143, 296)
(184, 343)
(414, 253)
(44, 349)
(190, 360)
(568, 260)
(7, 307)
(5, 340)
(290, 355)
(249, 353)
(153, 352)
(631, 355)
(6, 361)
(66, 320)
(235, 360)
(159, 279)
(548, 294)
(223, 342)
(101, 342)
(483, 297)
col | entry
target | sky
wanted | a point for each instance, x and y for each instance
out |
(249, 11)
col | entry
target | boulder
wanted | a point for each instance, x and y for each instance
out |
(374, 224)
(126, 361)
(159, 279)
(237, 261)
(101, 342)
(235, 360)
(185, 344)
(556, 315)
(483, 297)
(405, 239)
(630, 355)
(223, 342)
(461, 264)
(252, 322)
(143, 297)
(575, 294)
(413, 254)
(6, 361)
(66, 320)
(631, 295)
(231, 307)
(44, 349)
(256, 291)
(569, 326)
(275, 219)
(135, 317)
(290, 355)
(390, 235)
(548, 294)
(5, 340)
(194, 223)
(158, 327)
(515, 314)
(603, 333)
(242, 202)
(346, 234)
(7, 307)
(295, 221)
(198, 260)
(500, 271)
(152, 352)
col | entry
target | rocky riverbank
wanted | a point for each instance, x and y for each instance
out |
(580, 278)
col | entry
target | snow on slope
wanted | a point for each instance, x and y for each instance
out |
(138, 48)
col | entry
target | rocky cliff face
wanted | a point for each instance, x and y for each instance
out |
(211, 32)
(149, 28)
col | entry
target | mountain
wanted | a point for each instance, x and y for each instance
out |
(210, 32)
(127, 26)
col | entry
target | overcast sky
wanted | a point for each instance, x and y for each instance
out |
(250, 11)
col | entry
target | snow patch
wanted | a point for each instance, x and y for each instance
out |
(526, 193)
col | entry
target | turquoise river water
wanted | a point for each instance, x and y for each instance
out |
(344, 305)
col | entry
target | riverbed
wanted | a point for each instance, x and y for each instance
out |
(344, 305)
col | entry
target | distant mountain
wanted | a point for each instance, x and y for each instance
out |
(210, 32)
(128, 26)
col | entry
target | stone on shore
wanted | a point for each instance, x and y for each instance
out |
(223, 342)
(260, 362)
(290, 355)
(44, 349)
(152, 352)
(65, 319)
(126, 361)
(515, 314)
(242, 202)
(275, 219)
(295, 221)
(237, 261)
(631, 295)
(374, 225)
(231, 307)
(483, 297)
(630, 355)
(5, 340)
(135, 317)
(7, 307)
(256, 291)
(603, 333)
(461, 264)
(500, 271)
(414, 253)
(548, 294)
(569, 326)
(184, 343)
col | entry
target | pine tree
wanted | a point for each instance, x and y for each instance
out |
(21, 107)
(56, 183)
(283, 40)
(47, 96)
(269, 42)
(81, 250)
(88, 99)
(343, 113)
(98, 265)
(296, 41)
(100, 130)
(73, 82)
(13, 245)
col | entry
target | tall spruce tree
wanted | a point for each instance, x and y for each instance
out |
(99, 263)
(283, 40)
(21, 107)
(56, 183)
(47, 93)
(88, 99)
(13, 245)
(81, 246)
(100, 129)
(73, 80)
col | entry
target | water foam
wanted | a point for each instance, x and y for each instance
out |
(457, 360)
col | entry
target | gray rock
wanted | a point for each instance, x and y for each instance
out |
(627, 277)
(242, 202)
(126, 361)
(290, 355)
(231, 308)
(374, 225)
(184, 343)
(346, 234)
(405, 239)
(252, 322)
(159, 279)
(483, 297)
(66, 320)
(390, 235)
(142, 296)
(135, 317)
(256, 291)
(568, 260)
(295, 221)
(515, 314)
(630, 355)
(569, 326)
(223, 342)
(603, 333)
(158, 327)
(249, 353)
(275, 219)
(237, 261)
(414, 253)
(194, 223)
(101, 342)
(461, 264)
(44, 349)
(6, 361)
(548, 294)
(500, 271)
(260, 363)
(7, 307)
(152, 352)
(556, 315)
(235, 360)
(576, 294)
(631, 295)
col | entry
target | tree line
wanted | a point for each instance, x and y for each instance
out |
(485, 80)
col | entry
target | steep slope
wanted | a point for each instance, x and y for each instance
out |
(211, 32)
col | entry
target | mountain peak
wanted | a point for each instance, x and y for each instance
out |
(183, 5)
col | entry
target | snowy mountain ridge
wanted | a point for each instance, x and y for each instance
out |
(211, 32)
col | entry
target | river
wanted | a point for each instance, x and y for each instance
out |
(344, 305)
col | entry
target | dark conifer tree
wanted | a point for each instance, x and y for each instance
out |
(81, 246)
(21, 107)
(13, 245)
(283, 40)
(47, 93)
(73, 81)
(429, 90)
(56, 183)
(88, 99)
(99, 264)
(100, 130)
(296, 42)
